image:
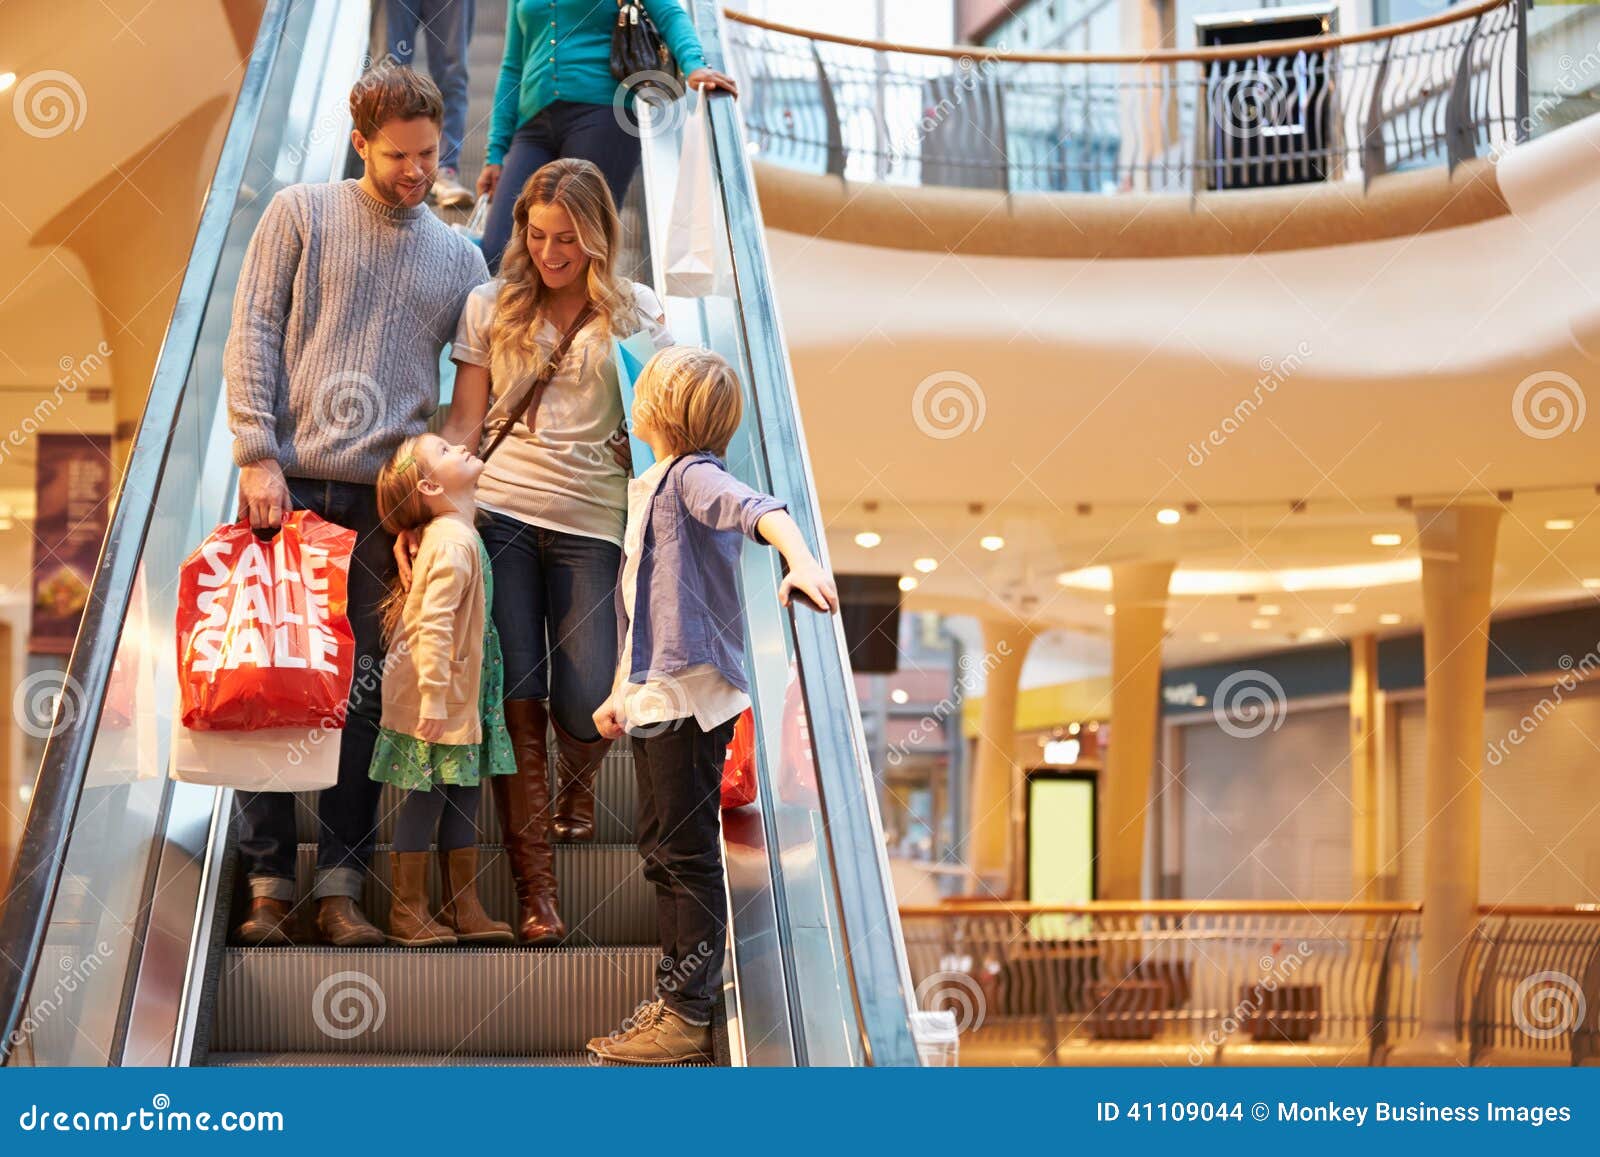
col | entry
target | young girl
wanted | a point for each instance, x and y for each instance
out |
(681, 682)
(443, 728)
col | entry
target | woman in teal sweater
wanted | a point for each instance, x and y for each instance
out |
(556, 98)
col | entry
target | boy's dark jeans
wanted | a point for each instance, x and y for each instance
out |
(347, 812)
(679, 769)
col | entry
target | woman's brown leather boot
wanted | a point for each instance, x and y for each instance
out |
(462, 909)
(577, 764)
(523, 803)
(409, 921)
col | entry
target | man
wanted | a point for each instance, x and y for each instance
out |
(448, 26)
(348, 292)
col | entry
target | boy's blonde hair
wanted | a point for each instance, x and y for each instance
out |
(690, 398)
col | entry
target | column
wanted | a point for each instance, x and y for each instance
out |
(1365, 862)
(995, 788)
(1139, 596)
(1457, 544)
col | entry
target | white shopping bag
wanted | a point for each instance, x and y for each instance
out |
(691, 259)
(272, 759)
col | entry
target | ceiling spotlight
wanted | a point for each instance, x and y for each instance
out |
(1210, 637)
(1559, 524)
(868, 539)
(899, 696)
(1074, 728)
(1344, 608)
(1260, 624)
(1386, 540)
(908, 583)
(991, 542)
(7, 79)
(1269, 609)
(926, 565)
(1167, 516)
(1111, 608)
(1312, 634)
(1591, 584)
(1388, 618)
(1085, 509)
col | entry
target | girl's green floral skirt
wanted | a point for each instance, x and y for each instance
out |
(412, 763)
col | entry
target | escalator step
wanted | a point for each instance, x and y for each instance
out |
(616, 804)
(379, 1060)
(604, 897)
(492, 1002)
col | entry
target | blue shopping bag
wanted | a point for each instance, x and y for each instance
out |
(630, 354)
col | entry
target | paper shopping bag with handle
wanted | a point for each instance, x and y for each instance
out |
(264, 638)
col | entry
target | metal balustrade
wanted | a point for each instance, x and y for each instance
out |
(1428, 92)
(1212, 981)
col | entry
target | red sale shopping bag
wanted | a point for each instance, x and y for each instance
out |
(264, 636)
(739, 767)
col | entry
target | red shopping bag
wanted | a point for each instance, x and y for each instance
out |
(739, 769)
(264, 635)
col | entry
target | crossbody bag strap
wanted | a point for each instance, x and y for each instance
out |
(530, 400)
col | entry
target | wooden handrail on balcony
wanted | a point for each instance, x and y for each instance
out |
(1557, 910)
(1163, 908)
(1158, 56)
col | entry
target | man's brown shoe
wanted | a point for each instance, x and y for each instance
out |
(342, 923)
(266, 923)
(672, 1042)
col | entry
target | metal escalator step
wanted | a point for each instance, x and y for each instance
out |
(604, 897)
(492, 1002)
(616, 805)
(379, 1060)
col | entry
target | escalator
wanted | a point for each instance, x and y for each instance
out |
(115, 933)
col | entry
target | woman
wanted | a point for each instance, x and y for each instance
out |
(555, 498)
(556, 98)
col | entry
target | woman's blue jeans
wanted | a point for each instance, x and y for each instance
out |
(555, 611)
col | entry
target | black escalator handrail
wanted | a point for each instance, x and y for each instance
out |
(870, 922)
(41, 854)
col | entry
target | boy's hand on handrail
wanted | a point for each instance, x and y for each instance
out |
(811, 579)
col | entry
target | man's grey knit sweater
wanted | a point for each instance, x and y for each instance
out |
(343, 305)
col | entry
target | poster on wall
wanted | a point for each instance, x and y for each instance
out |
(72, 500)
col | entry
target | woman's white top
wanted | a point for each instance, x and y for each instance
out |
(562, 474)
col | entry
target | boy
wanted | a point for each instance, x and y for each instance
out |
(680, 682)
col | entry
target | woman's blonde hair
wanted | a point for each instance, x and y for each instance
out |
(690, 398)
(578, 187)
(401, 506)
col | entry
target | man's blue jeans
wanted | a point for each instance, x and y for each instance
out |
(347, 813)
(448, 26)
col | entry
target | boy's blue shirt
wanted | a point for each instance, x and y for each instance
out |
(687, 609)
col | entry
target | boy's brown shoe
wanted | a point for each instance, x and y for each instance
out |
(643, 1018)
(672, 1042)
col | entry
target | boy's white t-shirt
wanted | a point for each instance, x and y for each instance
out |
(701, 691)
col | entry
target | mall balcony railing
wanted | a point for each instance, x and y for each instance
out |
(1433, 91)
(1207, 982)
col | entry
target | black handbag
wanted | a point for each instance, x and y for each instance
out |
(640, 59)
